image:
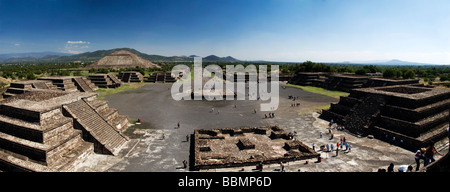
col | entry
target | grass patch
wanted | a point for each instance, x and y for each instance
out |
(322, 91)
(103, 92)
(309, 110)
(130, 130)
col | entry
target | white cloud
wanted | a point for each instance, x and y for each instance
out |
(78, 42)
(75, 47)
(16, 44)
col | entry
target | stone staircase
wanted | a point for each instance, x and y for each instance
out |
(104, 134)
(363, 115)
(39, 139)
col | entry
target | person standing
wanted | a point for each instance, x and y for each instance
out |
(418, 156)
(178, 125)
(429, 154)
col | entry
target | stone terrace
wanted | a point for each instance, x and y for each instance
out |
(413, 115)
(231, 147)
(38, 133)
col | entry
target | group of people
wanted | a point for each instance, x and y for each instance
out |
(271, 115)
(427, 154)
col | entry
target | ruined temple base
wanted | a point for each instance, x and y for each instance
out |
(234, 147)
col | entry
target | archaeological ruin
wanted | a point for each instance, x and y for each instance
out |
(122, 59)
(130, 77)
(61, 83)
(407, 116)
(245, 146)
(50, 130)
(105, 80)
(346, 82)
(160, 78)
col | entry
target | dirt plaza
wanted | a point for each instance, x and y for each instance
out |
(159, 145)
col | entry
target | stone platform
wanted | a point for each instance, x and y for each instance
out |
(233, 147)
(40, 132)
(407, 116)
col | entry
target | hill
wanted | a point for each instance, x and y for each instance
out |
(97, 55)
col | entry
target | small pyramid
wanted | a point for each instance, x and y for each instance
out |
(122, 59)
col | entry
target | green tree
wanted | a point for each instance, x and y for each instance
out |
(389, 73)
(409, 74)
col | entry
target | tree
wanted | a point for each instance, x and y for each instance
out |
(360, 72)
(409, 74)
(390, 73)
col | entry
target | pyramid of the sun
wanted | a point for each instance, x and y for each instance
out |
(122, 59)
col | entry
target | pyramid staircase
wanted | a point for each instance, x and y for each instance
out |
(96, 128)
(39, 139)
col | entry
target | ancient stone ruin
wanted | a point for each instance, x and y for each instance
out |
(105, 80)
(160, 78)
(346, 82)
(407, 116)
(232, 147)
(61, 83)
(122, 59)
(45, 130)
(131, 76)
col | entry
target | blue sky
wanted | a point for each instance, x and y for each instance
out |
(282, 30)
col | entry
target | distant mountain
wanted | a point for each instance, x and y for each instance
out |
(387, 62)
(96, 55)
(32, 54)
(30, 57)
(214, 58)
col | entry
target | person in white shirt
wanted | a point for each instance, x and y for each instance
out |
(417, 157)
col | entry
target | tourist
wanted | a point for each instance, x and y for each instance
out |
(313, 147)
(405, 168)
(218, 111)
(163, 136)
(448, 134)
(337, 151)
(349, 148)
(337, 145)
(429, 154)
(331, 137)
(417, 157)
(178, 125)
(254, 111)
(282, 167)
(390, 169)
(184, 164)
(320, 134)
(187, 138)
(332, 147)
(212, 109)
(328, 147)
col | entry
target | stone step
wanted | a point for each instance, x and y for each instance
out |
(100, 129)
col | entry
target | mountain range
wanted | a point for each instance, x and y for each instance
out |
(45, 57)
(386, 62)
(96, 55)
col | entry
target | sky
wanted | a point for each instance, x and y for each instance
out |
(281, 30)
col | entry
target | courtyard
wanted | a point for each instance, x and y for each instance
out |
(159, 145)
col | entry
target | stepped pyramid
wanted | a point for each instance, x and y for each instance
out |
(413, 115)
(122, 59)
(49, 130)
